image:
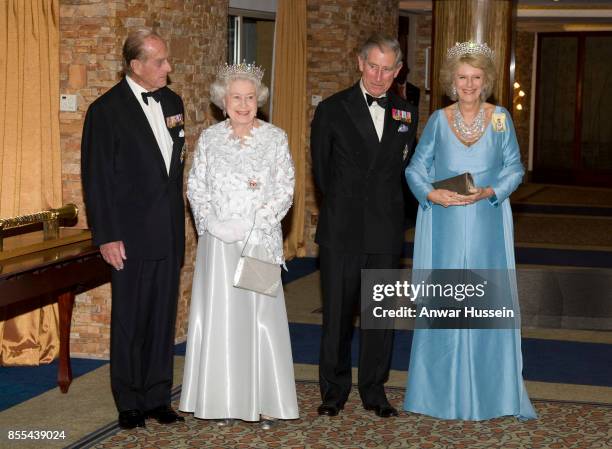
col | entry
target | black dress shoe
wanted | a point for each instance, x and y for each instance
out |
(130, 419)
(383, 411)
(164, 415)
(329, 409)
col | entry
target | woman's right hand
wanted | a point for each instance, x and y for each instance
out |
(446, 198)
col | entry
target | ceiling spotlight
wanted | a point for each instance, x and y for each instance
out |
(521, 93)
(516, 85)
(519, 107)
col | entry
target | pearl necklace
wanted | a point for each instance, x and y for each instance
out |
(473, 131)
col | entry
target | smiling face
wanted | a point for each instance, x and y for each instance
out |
(378, 71)
(151, 72)
(468, 81)
(241, 102)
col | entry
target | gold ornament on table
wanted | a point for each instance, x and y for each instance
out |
(226, 70)
(470, 48)
(49, 218)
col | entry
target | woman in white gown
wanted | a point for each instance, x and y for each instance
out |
(238, 363)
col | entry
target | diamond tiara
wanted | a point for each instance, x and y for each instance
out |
(226, 71)
(472, 48)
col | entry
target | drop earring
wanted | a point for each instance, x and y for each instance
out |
(454, 92)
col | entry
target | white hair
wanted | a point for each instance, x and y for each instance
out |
(218, 89)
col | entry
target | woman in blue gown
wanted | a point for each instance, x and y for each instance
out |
(468, 374)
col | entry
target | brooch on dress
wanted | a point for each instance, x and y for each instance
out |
(253, 184)
(499, 122)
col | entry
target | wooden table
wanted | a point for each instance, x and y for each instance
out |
(54, 274)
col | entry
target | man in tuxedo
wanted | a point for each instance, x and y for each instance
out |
(132, 169)
(360, 140)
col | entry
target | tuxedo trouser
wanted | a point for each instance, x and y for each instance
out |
(340, 286)
(144, 301)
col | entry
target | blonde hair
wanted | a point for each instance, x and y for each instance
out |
(478, 61)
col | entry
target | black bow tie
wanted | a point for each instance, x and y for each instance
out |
(156, 95)
(382, 101)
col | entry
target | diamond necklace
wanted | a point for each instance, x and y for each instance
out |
(471, 132)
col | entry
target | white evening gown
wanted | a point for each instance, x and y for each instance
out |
(238, 362)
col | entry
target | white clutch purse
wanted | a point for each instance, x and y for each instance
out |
(257, 275)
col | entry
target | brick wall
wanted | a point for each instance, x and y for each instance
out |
(336, 28)
(91, 35)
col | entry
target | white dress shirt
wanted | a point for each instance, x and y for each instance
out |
(376, 111)
(155, 116)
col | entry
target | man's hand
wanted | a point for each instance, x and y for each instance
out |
(113, 254)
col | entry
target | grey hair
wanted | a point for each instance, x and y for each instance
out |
(478, 61)
(133, 47)
(382, 42)
(218, 89)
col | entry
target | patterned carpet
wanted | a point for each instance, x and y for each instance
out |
(560, 425)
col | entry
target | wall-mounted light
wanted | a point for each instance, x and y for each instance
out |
(518, 95)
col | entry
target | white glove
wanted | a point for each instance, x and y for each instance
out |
(229, 231)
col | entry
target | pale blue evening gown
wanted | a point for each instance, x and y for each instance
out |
(468, 374)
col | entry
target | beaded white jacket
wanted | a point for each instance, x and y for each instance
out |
(252, 180)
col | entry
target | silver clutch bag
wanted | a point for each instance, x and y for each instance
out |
(257, 275)
(462, 184)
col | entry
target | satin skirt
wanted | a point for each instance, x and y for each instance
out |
(238, 362)
(467, 374)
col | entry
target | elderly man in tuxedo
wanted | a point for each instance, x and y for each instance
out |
(132, 169)
(360, 142)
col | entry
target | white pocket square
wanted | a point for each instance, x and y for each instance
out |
(182, 133)
(403, 128)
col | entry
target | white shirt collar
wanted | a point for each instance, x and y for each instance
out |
(136, 88)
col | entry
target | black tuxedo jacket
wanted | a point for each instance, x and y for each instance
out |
(129, 194)
(360, 178)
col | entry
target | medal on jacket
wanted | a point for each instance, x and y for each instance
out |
(401, 115)
(174, 120)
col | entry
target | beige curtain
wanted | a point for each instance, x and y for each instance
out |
(30, 163)
(289, 108)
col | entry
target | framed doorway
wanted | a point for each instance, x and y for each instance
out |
(573, 130)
